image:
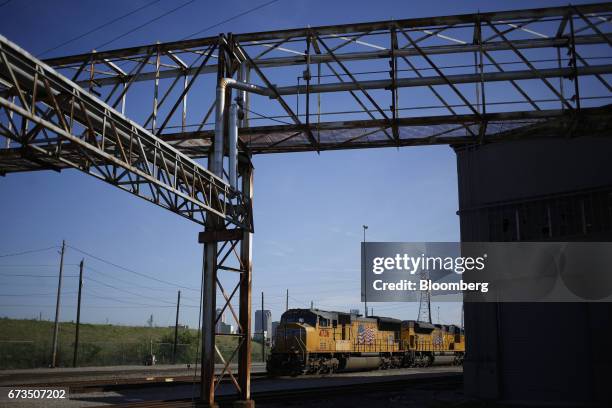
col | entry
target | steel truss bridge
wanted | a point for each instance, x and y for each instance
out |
(177, 123)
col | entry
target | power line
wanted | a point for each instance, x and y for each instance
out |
(146, 23)
(30, 251)
(129, 292)
(93, 306)
(34, 294)
(134, 285)
(124, 290)
(28, 275)
(126, 301)
(34, 265)
(114, 20)
(89, 288)
(230, 19)
(129, 270)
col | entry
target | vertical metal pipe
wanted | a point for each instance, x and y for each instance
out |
(184, 113)
(561, 90)
(242, 94)
(307, 77)
(57, 307)
(78, 316)
(10, 124)
(482, 82)
(218, 153)
(233, 146)
(574, 64)
(123, 99)
(156, 90)
(247, 101)
(91, 75)
(244, 353)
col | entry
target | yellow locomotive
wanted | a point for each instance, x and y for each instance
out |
(309, 341)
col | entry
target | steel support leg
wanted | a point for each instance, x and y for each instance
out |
(244, 353)
(207, 389)
(216, 260)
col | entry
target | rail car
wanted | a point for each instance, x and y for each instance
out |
(309, 341)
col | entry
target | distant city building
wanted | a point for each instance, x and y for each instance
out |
(220, 322)
(267, 323)
(354, 311)
(223, 319)
(225, 328)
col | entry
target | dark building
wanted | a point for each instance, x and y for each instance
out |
(539, 190)
(267, 323)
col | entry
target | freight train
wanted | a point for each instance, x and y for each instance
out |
(309, 341)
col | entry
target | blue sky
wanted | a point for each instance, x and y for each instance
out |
(309, 208)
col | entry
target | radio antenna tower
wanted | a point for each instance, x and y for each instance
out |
(425, 303)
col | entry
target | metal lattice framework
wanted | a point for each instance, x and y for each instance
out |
(456, 79)
(464, 79)
(58, 124)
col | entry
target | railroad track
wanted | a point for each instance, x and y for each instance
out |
(117, 384)
(433, 381)
(113, 384)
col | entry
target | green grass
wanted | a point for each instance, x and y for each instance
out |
(27, 344)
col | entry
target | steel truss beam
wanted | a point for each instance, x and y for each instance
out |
(441, 130)
(52, 116)
(501, 45)
(343, 29)
(172, 71)
(432, 131)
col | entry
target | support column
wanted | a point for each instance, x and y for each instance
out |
(244, 353)
(207, 388)
(209, 276)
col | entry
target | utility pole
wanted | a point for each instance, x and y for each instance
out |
(365, 290)
(78, 319)
(263, 333)
(57, 307)
(178, 305)
(287, 301)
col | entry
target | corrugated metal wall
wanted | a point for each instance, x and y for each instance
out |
(555, 190)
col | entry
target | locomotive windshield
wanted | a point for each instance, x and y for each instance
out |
(299, 316)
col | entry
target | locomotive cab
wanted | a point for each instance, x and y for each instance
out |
(289, 352)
